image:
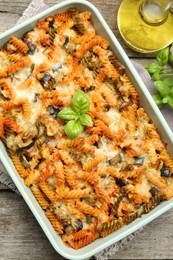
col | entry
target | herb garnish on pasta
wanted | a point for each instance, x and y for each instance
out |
(76, 115)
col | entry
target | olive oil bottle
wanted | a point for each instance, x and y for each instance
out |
(146, 26)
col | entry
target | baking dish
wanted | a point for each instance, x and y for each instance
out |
(146, 101)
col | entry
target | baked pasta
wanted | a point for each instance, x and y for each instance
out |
(115, 170)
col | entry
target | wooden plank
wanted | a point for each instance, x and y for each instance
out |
(21, 237)
(7, 23)
(17, 7)
(3, 187)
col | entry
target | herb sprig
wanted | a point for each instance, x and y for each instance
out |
(76, 115)
(162, 76)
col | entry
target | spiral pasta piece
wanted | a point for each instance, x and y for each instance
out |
(5, 83)
(39, 196)
(19, 167)
(50, 194)
(93, 162)
(55, 223)
(88, 209)
(18, 65)
(19, 44)
(8, 121)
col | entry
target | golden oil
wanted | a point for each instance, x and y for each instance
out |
(142, 35)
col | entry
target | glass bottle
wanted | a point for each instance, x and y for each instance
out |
(146, 26)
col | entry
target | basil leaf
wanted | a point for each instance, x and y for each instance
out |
(156, 76)
(162, 56)
(153, 67)
(168, 100)
(67, 114)
(163, 89)
(86, 120)
(158, 99)
(73, 129)
(168, 81)
(80, 102)
(170, 59)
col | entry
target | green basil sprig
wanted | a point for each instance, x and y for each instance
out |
(162, 56)
(162, 76)
(76, 115)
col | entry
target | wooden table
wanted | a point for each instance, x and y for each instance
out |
(20, 235)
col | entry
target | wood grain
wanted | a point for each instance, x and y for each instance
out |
(21, 237)
(3, 187)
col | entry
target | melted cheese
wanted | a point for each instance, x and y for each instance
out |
(115, 115)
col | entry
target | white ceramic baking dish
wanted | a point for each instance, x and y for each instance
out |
(145, 100)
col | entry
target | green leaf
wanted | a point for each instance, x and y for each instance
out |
(156, 76)
(170, 59)
(168, 100)
(163, 89)
(80, 102)
(168, 81)
(86, 120)
(153, 67)
(73, 129)
(158, 99)
(162, 76)
(67, 114)
(162, 56)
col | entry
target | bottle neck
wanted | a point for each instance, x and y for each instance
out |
(155, 12)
